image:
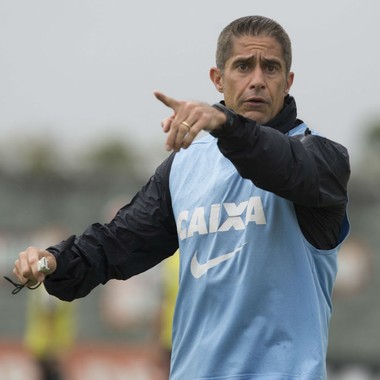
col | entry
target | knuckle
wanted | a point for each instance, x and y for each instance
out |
(187, 104)
(21, 256)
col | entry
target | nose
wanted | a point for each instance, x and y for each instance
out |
(257, 80)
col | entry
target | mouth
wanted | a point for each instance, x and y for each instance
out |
(256, 101)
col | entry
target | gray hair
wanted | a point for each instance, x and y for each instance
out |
(252, 26)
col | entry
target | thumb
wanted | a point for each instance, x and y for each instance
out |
(167, 100)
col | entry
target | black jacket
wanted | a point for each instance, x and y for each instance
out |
(311, 171)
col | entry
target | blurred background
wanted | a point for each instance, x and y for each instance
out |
(80, 134)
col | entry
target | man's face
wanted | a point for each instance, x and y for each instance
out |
(254, 80)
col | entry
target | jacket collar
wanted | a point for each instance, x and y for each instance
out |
(287, 118)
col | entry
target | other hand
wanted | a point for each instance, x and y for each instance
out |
(26, 266)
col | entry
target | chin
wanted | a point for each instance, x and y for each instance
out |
(256, 116)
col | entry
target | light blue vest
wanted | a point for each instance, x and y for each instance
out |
(255, 297)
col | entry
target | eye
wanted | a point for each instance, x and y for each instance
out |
(271, 68)
(242, 66)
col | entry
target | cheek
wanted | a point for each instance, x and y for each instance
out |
(280, 92)
(235, 90)
(278, 99)
(228, 91)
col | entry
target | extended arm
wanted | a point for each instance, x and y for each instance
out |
(310, 171)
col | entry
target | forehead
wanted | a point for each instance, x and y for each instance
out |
(252, 45)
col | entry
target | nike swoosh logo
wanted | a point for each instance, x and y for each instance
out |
(198, 270)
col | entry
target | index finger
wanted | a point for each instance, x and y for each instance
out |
(167, 100)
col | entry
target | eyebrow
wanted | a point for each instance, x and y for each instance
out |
(273, 61)
(268, 61)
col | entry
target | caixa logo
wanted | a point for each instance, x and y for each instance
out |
(220, 218)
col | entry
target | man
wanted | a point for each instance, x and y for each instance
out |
(257, 209)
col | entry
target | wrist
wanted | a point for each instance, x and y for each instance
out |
(229, 115)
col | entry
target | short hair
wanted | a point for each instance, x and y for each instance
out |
(252, 26)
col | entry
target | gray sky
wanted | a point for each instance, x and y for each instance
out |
(77, 71)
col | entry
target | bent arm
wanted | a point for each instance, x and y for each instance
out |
(308, 170)
(311, 171)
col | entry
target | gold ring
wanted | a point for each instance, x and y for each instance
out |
(187, 125)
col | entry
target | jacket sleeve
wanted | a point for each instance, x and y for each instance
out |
(308, 170)
(142, 234)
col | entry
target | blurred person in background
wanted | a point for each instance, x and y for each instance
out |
(49, 333)
(170, 278)
(257, 209)
(50, 327)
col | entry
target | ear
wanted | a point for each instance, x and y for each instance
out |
(289, 82)
(216, 78)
